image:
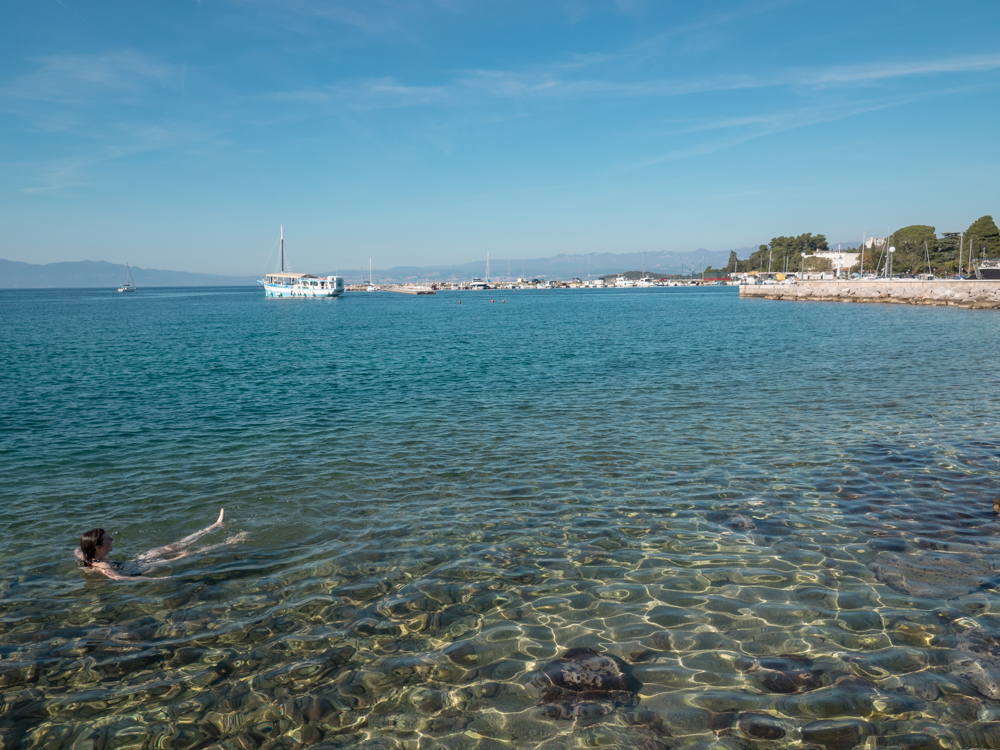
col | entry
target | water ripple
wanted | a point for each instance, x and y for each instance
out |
(780, 518)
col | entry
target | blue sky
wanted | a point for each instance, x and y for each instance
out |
(179, 135)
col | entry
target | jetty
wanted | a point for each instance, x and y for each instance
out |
(970, 293)
(408, 289)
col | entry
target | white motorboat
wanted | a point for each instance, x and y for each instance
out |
(988, 269)
(286, 284)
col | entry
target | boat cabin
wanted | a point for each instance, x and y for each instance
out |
(301, 280)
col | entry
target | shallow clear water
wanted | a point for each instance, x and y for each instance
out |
(778, 517)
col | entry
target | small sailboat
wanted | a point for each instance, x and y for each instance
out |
(128, 286)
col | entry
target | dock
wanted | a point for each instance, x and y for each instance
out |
(970, 293)
(410, 289)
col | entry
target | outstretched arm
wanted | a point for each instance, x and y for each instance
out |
(160, 552)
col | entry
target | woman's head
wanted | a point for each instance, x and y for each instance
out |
(95, 545)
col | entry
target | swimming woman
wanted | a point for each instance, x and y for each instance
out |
(95, 546)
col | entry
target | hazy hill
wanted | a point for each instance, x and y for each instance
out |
(557, 267)
(88, 273)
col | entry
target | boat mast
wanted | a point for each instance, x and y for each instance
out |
(282, 248)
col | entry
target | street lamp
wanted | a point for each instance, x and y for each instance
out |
(802, 270)
(891, 251)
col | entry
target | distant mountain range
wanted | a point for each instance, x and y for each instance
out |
(558, 267)
(87, 273)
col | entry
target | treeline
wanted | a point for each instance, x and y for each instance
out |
(918, 250)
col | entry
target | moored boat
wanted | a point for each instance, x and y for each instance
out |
(286, 284)
(990, 270)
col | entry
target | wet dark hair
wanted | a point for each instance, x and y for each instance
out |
(88, 546)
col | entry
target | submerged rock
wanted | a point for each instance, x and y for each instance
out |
(782, 674)
(837, 734)
(582, 676)
(739, 521)
(748, 725)
(976, 660)
(931, 575)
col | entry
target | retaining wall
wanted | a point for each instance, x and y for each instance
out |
(981, 295)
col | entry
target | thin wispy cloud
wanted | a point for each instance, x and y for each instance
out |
(476, 87)
(551, 82)
(313, 18)
(121, 141)
(68, 78)
(711, 23)
(59, 175)
(754, 127)
(880, 71)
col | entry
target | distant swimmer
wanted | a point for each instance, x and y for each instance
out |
(95, 546)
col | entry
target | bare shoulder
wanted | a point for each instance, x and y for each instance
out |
(107, 569)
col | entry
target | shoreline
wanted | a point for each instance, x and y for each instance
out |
(968, 293)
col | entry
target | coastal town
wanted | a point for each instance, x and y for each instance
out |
(910, 266)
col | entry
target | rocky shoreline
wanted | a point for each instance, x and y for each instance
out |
(973, 294)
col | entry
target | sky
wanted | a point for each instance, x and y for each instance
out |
(181, 135)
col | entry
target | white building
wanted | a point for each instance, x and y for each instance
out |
(840, 260)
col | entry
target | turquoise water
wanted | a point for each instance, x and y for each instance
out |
(778, 517)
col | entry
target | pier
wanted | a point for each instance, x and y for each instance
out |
(971, 293)
(408, 289)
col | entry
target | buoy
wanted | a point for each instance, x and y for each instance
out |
(503, 302)
(492, 301)
(460, 302)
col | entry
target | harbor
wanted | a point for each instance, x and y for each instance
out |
(969, 293)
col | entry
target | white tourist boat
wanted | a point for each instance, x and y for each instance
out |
(128, 286)
(287, 284)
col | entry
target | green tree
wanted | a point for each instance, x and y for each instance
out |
(912, 237)
(909, 243)
(787, 250)
(944, 253)
(733, 260)
(984, 237)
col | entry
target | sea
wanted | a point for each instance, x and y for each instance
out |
(620, 518)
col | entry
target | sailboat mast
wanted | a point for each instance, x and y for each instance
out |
(282, 248)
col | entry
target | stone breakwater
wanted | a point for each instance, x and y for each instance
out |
(980, 295)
